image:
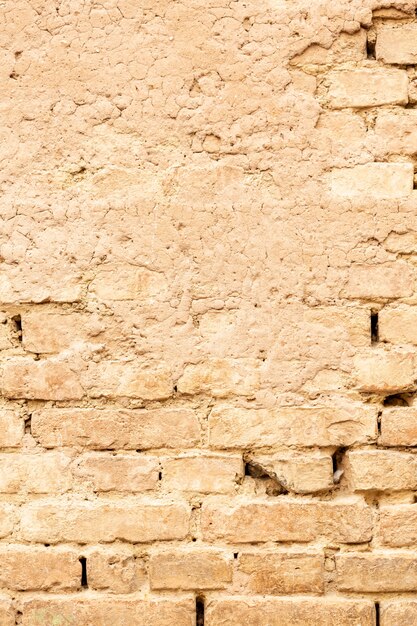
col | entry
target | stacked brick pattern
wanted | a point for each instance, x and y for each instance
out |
(208, 338)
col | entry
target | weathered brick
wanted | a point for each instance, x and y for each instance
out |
(351, 322)
(380, 371)
(287, 520)
(379, 180)
(397, 131)
(398, 525)
(346, 47)
(109, 429)
(40, 380)
(397, 45)
(367, 88)
(8, 519)
(34, 473)
(398, 612)
(398, 325)
(12, 429)
(26, 568)
(7, 613)
(46, 332)
(235, 427)
(203, 474)
(382, 470)
(299, 472)
(280, 573)
(377, 572)
(398, 427)
(127, 282)
(115, 570)
(116, 379)
(221, 377)
(379, 282)
(104, 472)
(290, 612)
(191, 569)
(95, 521)
(82, 611)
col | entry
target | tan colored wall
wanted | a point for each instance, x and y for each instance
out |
(208, 253)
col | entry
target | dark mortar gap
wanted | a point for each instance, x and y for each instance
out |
(17, 322)
(370, 49)
(28, 425)
(199, 611)
(397, 399)
(84, 582)
(377, 614)
(374, 327)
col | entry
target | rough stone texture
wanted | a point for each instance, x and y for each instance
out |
(208, 312)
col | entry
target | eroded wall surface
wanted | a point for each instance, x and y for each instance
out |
(208, 313)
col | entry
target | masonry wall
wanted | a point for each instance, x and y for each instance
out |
(208, 327)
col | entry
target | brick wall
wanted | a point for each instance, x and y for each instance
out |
(208, 313)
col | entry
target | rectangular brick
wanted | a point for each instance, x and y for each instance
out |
(384, 372)
(40, 380)
(221, 377)
(382, 470)
(298, 472)
(397, 132)
(398, 612)
(235, 427)
(290, 612)
(352, 323)
(7, 613)
(398, 525)
(347, 47)
(130, 473)
(377, 572)
(115, 570)
(190, 569)
(286, 520)
(47, 332)
(378, 180)
(112, 429)
(103, 521)
(35, 473)
(398, 325)
(128, 282)
(367, 88)
(397, 45)
(114, 379)
(379, 282)
(398, 427)
(279, 573)
(202, 474)
(8, 519)
(12, 429)
(26, 568)
(102, 611)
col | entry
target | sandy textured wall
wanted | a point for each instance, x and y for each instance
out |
(208, 313)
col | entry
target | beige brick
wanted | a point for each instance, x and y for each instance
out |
(397, 131)
(398, 325)
(7, 613)
(405, 242)
(234, 427)
(299, 472)
(367, 88)
(106, 521)
(127, 282)
(110, 429)
(399, 427)
(116, 379)
(8, 519)
(191, 569)
(379, 180)
(286, 520)
(12, 429)
(398, 525)
(116, 570)
(34, 473)
(290, 612)
(279, 573)
(45, 332)
(102, 611)
(40, 380)
(26, 568)
(377, 572)
(382, 470)
(345, 48)
(380, 371)
(398, 612)
(397, 45)
(203, 474)
(351, 322)
(6, 334)
(221, 377)
(379, 282)
(105, 472)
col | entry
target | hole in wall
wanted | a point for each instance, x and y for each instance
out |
(17, 323)
(374, 327)
(377, 614)
(84, 582)
(370, 46)
(28, 425)
(337, 462)
(397, 399)
(199, 611)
